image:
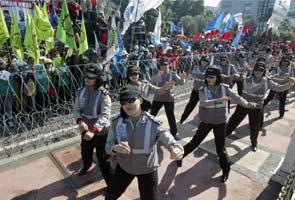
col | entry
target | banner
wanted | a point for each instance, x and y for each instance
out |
(158, 29)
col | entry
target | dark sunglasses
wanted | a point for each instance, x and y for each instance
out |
(129, 100)
(210, 77)
(223, 60)
(90, 78)
(134, 74)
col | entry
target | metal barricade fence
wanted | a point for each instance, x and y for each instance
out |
(45, 115)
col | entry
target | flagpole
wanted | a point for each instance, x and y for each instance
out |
(132, 34)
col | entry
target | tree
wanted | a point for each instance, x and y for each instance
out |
(189, 24)
(285, 25)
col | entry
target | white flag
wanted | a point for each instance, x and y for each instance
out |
(270, 22)
(113, 46)
(226, 18)
(158, 29)
(135, 10)
(97, 48)
(239, 19)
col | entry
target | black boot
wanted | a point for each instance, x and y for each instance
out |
(224, 177)
(254, 147)
(179, 163)
(83, 171)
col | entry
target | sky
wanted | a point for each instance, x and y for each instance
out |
(215, 2)
(211, 2)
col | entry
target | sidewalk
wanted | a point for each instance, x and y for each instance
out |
(53, 176)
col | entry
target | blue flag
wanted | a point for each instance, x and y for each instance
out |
(215, 23)
(184, 45)
(228, 25)
(236, 40)
(120, 44)
(174, 28)
(53, 18)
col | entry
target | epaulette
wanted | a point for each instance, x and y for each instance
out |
(116, 116)
(225, 85)
(78, 91)
(153, 118)
(104, 91)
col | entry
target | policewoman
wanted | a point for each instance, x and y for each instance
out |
(145, 88)
(280, 75)
(243, 69)
(198, 74)
(132, 139)
(166, 97)
(92, 112)
(213, 113)
(255, 88)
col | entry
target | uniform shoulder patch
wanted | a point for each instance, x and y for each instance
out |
(104, 91)
(153, 118)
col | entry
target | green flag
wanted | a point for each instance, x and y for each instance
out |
(31, 41)
(4, 34)
(83, 45)
(65, 32)
(15, 38)
(44, 29)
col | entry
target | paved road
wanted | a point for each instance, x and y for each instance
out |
(53, 176)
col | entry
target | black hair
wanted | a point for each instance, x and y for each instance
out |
(259, 63)
(218, 78)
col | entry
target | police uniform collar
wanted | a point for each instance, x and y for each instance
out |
(142, 119)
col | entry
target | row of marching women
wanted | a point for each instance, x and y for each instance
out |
(126, 144)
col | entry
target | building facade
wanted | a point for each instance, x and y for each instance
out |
(291, 12)
(247, 7)
(260, 10)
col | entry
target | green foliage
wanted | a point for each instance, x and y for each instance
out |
(249, 20)
(285, 25)
(286, 35)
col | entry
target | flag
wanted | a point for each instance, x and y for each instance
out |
(239, 19)
(112, 46)
(120, 44)
(44, 10)
(158, 29)
(184, 44)
(53, 18)
(226, 18)
(236, 40)
(215, 23)
(128, 15)
(225, 36)
(97, 48)
(44, 29)
(83, 46)
(174, 28)
(197, 36)
(135, 10)
(270, 22)
(228, 25)
(31, 40)
(15, 38)
(65, 32)
(291, 45)
(4, 34)
(245, 29)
